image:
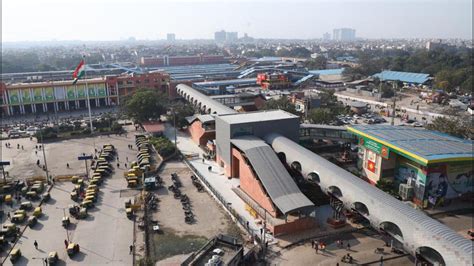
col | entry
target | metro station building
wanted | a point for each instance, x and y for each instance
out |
(431, 166)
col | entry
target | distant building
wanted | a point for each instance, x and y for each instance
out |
(405, 77)
(344, 34)
(327, 36)
(232, 36)
(435, 45)
(220, 36)
(181, 60)
(171, 37)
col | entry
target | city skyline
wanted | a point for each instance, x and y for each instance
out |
(300, 20)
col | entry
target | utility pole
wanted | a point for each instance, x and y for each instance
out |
(393, 111)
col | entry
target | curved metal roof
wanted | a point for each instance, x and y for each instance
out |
(215, 106)
(418, 229)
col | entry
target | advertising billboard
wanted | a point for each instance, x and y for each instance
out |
(13, 96)
(80, 91)
(49, 94)
(26, 97)
(71, 94)
(37, 95)
(101, 92)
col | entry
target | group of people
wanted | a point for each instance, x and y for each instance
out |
(318, 245)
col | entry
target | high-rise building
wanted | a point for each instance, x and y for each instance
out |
(171, 37)
(326, 36)
(220, 36)
(343, 34)
(232, 36)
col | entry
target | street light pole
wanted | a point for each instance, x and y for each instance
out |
(44, 157)
(64, 215)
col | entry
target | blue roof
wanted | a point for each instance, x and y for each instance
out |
(208, 84)
(408, 77)
(428, 144)
(337, 71)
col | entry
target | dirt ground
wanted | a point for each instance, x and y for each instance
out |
(178, 237)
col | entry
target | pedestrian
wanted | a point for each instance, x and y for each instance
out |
(203, 160)
(348, 246)
(46, 261)
(126, 159)
(125, 165)
(65, 243)
(131, 249)
(67, 165)
(312, 243)
(36, 152)
(36, 244)
(8, 215)
(381, 260)
(22, 147)
(316, 248)
(248, 225)
(118, 165)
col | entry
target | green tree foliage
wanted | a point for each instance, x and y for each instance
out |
(145, 104)
(387, 91)
(321, 115)
(283, 104)
(457, 127)
(299, 52)
(328, 98)
(319, 62)
(182, 111)
(163, 146)
(387, 185)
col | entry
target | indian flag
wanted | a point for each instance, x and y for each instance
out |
(79, 72)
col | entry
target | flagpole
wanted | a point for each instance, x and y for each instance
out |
(87, 94)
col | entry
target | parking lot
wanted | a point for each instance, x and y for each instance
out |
(105, 235)
(178, 237)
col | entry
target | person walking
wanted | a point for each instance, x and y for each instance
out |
(131, 249)
(348, 246)
(65, 243)
(316, 248)
(67, 165)
(36, 244)
(312, 243)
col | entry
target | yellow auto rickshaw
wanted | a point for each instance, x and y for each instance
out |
(18, 218)
(26, 205)
(66, 221)
(74, 196)
(82, 213)
(52, 257)
(87, 204)
(15, 254)
(8, 199)
(132, 183)
(90, 197)
(74, 179)
(129, 212)
(19, 212)
(37, 212)
(72, 249)
(31, 195)
(94, 187)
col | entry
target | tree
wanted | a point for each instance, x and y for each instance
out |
(319, 62)
(181, 112)
(328, 98)
(283, 104)
(145, 104)
(387, 91)
(458, 127)
(321, 116)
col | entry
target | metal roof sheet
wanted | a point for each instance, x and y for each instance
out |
(408, 77)
(258, 116)
(276, 180)
(430, 145)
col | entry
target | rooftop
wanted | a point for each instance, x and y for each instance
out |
(425, 146)
(259, 116)
(337, 71)
(407, 77)
(153, 127)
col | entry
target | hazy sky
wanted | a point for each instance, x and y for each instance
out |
(42, 20)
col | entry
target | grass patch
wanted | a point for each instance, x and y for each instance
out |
(169, 244)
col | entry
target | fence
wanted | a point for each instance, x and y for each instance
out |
(235, 216)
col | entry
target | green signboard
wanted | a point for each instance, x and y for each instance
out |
(13, 96)
(26, 96)
(92, 92)
(80, 92)
(101, 90)
(375, 147)
(49, 93)
(37, 95)
(71, 94)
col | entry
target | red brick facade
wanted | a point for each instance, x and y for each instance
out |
(199, 135)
